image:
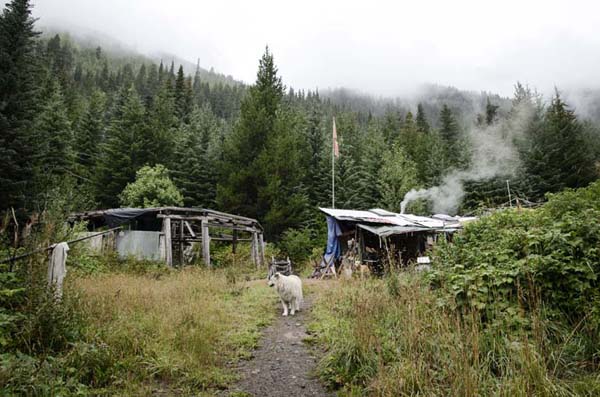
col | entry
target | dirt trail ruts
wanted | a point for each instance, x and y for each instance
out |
(282, 364)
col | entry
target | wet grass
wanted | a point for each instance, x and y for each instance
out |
(175, 332)
(391, 337)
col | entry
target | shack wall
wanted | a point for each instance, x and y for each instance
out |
(140, 244)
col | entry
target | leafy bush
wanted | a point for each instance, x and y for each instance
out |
(526, 258)
(399, 341)
(152, 188)
(515, 311)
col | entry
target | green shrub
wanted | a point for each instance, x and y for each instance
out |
(393, 338)
(521, 259)
(297, 244)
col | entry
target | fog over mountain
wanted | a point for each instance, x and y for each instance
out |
(381, 48)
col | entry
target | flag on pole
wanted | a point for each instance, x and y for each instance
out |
(336, 149)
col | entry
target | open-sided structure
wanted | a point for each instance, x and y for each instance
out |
(171, 234)
(377, 235)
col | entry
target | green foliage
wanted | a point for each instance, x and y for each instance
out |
(19, 85)
(556, 152)
(238, 192)
(392, 337)
(297, 244)
(519, 260)
(422, 123)
(90, 134)
(152, 188)
(123, 150)
(53, 129)
(397, 176)
(196, 174)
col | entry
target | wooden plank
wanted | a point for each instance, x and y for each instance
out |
(253, 249)
(168, 242)
(213, 222)
(225, 239)
(261, 246)
(181, 233)
(205, 243)
(189, 228)
(211, 218)
(234, 241)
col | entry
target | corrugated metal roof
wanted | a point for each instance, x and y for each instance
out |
(423, 220)
(395, 223)
(384, 231)
(359, 216)
(382, 212)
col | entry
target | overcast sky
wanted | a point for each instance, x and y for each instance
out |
(379, 47)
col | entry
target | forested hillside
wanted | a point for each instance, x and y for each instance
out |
(78, 121)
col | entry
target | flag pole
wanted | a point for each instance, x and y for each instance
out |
(333, 166)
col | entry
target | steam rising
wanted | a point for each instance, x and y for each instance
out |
(493, 154)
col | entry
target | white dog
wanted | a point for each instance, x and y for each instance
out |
(289, 289)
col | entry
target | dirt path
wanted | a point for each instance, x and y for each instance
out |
(282, 365)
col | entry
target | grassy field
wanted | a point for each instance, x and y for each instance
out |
(175, 332)
(391, 338)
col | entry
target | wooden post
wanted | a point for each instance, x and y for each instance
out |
(181, 226)
(254, 248)
(361, 245)
(205, 243)
(261, 246)
(168, 242)
(234, 241)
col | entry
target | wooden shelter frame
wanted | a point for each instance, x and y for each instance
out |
(181, 225)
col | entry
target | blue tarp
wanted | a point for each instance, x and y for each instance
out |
(333, 243)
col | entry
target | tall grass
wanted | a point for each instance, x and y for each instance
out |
(180, 329)
(393, 337)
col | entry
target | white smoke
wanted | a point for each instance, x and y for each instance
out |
(493, 153)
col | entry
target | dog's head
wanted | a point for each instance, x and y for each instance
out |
(273, 278)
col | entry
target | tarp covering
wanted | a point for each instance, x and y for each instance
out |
(119, 216)
(333, 243)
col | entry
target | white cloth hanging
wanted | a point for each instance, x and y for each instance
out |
(57, 268)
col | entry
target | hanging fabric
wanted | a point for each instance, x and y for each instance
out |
(57, 268)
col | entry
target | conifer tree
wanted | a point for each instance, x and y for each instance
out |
(351, 190)
(491, 112)
(451, 137)
(140, 83)
(398, 175)
(196, 173)
(163, 127)
(372, 162)
(124, 151)
(19, 73)
(197, 87)
(316, 146)
(422, 123)
(180, 92)
(103, 79)
(183, 95)
(161, 73)
(152, 84)
(238, 191)
(391, 127)
(559, 155)
(283, 198)
(53, 129)
(90, 134)
(449, 130)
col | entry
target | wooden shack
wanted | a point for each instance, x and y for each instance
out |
(380, 238)
(169, 234)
